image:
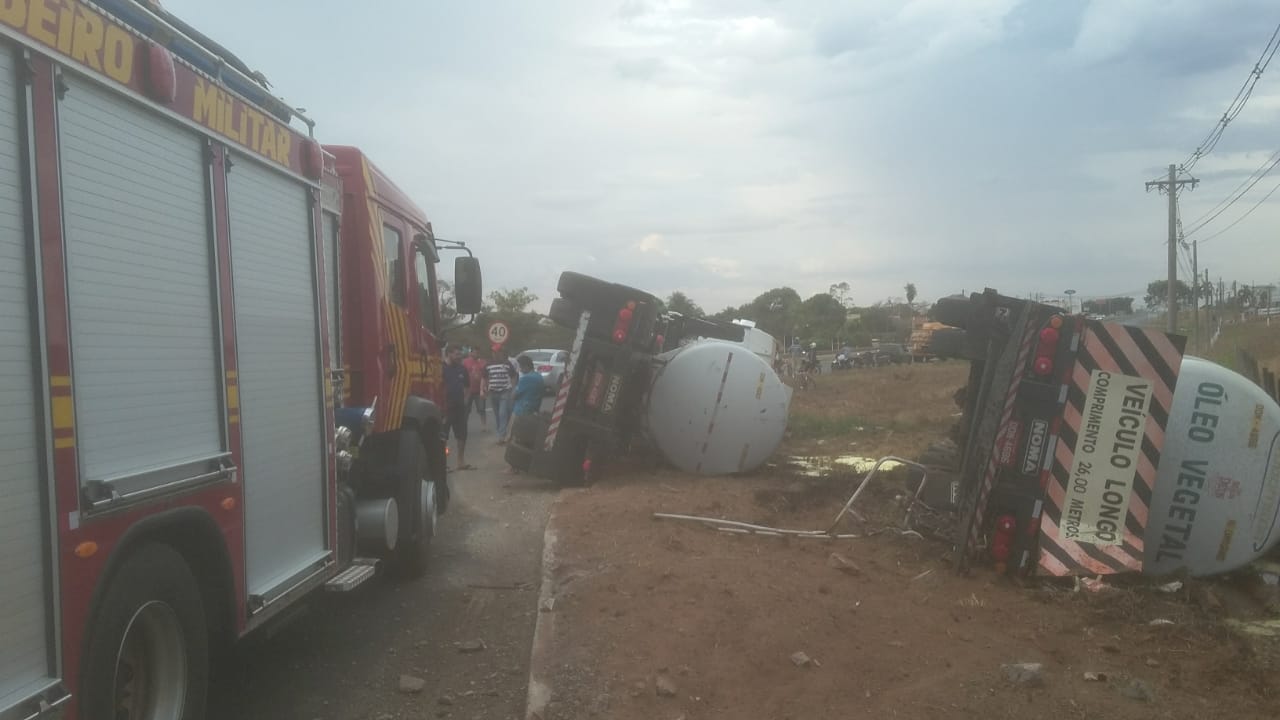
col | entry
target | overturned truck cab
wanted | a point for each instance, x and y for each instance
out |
(687, 386)
(1092, 448)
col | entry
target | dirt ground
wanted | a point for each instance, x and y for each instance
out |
(663, 619)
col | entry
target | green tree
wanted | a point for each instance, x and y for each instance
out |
(683, 304)
(776, 311)
(1157, 292)
(840, 291)
(822, 317)
(512, 301)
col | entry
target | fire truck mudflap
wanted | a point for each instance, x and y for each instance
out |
(1094, 448)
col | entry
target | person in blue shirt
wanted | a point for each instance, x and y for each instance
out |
(529, 389)
(528, 394)
(457, 391)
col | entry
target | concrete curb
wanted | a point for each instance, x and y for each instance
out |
(539, 695)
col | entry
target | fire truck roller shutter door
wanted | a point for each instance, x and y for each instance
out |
(144, 339)
(281, 398)
(24, 655)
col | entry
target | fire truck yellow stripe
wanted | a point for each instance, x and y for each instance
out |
(60, 381)
(64, 443)
(64, 413)
(233, 397)
(400, 388)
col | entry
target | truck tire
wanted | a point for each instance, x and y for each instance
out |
(585, 290)
(564, 313)
(954, 311)
(148, 637)
(416, 499)
(947, 343)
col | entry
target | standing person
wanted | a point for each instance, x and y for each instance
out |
(457, 392)
(500, 378)
(475, 370)
(528, 394)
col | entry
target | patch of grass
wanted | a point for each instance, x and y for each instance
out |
(1255, 337)
(806, 426)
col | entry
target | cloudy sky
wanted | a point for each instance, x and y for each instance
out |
(723, 148)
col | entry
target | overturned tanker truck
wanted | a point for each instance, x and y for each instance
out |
(637, 375)
(1091, 448)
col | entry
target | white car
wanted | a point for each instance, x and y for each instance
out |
(550, 364)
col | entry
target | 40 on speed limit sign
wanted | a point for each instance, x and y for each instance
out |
(499, 332)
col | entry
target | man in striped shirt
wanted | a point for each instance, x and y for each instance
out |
(500, 382)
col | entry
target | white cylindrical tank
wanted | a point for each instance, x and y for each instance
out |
(716, 407)
(1216, 502)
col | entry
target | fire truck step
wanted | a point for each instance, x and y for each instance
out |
(360, 572)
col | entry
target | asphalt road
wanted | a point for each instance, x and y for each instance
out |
(343, 659)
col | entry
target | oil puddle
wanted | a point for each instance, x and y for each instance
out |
(822, 466)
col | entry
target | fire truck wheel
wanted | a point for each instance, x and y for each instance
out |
(148, 655)
(419, 511)
(564, 313)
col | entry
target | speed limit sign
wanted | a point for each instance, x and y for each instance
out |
(499, 332)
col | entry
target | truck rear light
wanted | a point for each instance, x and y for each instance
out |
(1047, 347)
(544, 368)
(622, 327)
(1043, 366)
(1002, 542)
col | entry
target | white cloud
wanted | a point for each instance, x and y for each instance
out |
(754, 143)
(722, 267)
(655, 244)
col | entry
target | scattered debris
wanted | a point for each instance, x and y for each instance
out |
(1093, 585)
(1152, 662)
(1095, 676)
(665, 686)
(1161, 621)
(445, 700)
(800, 658)
(471, 646)
(411, 685)
(1138, 690)
(922, 575)
(1029, 674)
(897, 644)
(547, 605)
(972, 601)
(843, 564)
(1171, 587)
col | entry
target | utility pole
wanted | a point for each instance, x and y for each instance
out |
(1170, 186)
(1195, 291)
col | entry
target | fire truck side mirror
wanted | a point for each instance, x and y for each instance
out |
(467, 287)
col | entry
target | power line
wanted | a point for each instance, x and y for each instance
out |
(1237, 104)
(1264, 168)
(1236, 194)
(1246, 214)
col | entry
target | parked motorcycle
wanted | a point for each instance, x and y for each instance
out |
(842, 362)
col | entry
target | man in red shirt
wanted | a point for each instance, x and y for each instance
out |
(475, 369)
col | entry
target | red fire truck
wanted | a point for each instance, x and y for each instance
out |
(187, 444)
